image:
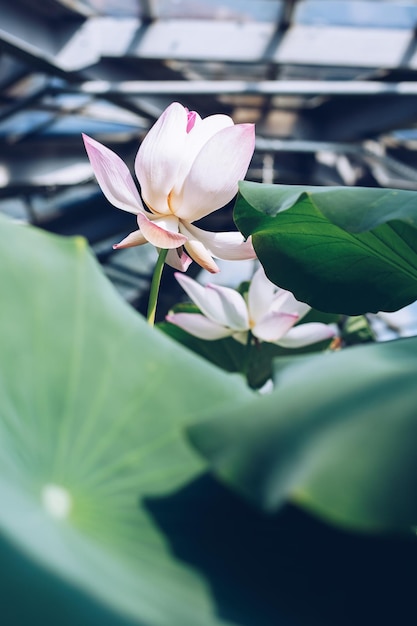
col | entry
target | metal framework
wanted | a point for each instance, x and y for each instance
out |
(330, 84)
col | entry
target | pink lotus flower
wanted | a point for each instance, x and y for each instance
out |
(268, 312)
(187, 167)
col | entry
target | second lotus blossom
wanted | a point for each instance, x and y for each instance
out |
(187, 167)
(269, 313)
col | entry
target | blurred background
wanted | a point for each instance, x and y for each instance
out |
(330, 84)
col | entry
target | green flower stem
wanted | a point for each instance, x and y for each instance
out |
(156, 281)
(247, 354)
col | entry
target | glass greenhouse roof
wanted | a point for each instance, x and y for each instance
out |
(330, 84)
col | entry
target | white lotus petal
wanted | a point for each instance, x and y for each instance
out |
(215, 172)
(260, 295)
(233, 307)
(197, 250)
(159, 157)
(273, 326)
(161, 232)
(196, 138)
(113, 176)
(285, 301)
(222, 305)
(306, 334)
(198, 326)
(133, 239)
(229, 246)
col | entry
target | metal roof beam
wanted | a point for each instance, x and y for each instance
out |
(305, 88)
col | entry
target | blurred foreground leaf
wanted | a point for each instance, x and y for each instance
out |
(337, 436)
(92, 401)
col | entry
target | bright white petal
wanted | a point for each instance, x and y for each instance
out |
(113, 176)
(198, 326)
(285, 301)
(177, 259)
(133, 239)
(233, 307)
(260, 295)
(159, 157)
(306, 334)
(161, 232)
(273, 326)
(215, 172)
(196, 138)
(229, 246)
(223, 305)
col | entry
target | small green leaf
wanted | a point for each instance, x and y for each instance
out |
(343, 250)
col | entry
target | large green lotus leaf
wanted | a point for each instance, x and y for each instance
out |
(341, 249)
(337, 436)
(92, 403)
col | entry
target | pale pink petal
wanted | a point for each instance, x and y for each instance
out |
(306, 334)
(260, 295)
(160, 156)
(199, 326)
(177, 259)
(229, 246)
(215, 172)
(199, 253)
(161, 232)
(133, 239)
(273, 326)
(222, 305)
(113, 176)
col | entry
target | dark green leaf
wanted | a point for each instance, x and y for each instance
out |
(345, 250)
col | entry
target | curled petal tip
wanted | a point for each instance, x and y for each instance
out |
(162, 233)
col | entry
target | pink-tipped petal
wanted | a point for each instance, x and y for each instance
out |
(199, 254)
(113, 176)
(212, 180)
(159, 157)
(198, 326)
(260, 295)
(191, 118)
(161, 232)
(306, 334)
(198, 251)
(222, 305)
(273, 326)
(178, 259)
(133, 239)
(229, 246)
